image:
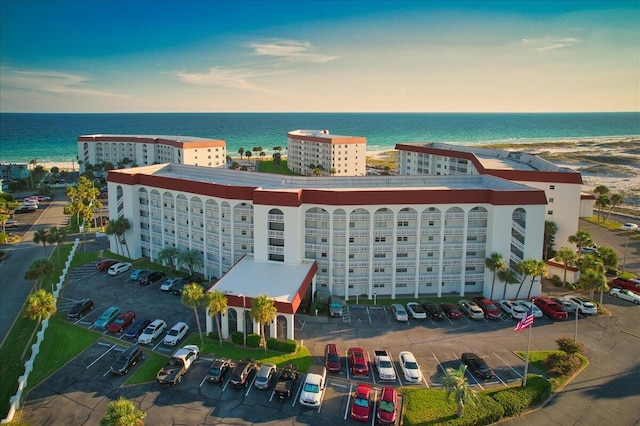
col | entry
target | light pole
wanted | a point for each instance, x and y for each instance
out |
(575, 329)
(244, 320)
(375, 298)
(357, 296)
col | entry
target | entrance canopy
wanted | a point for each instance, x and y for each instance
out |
(285, 283)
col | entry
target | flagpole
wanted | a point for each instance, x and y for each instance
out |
(526, 363)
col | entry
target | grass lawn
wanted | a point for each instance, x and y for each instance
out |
(537, 358)
(266, 166)
(153, 362)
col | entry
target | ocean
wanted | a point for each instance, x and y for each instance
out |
(52, 137)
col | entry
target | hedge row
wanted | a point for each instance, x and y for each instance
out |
(287, 346)
(518, 399)
(253, 340)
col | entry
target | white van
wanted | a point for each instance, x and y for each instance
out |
(119, 268)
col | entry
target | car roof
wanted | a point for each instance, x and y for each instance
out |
(157, 322)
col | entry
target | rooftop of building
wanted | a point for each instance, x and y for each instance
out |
(325, 136)
(145, 138)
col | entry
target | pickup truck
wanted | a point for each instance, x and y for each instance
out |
(384, 365)
(313, 387)
(286, 380)
(178, 365)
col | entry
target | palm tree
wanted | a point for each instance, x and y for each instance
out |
(247, 154)
(593, 280)
(123, 413)
(263, 310)
(110, 230)
(39, 269)
(56, 236)
(616, 200)
(550, 231)
(581, 239)
(507, 276)
(456, 384)
(539, 270)
(495, 263)
(40, 236)
(121, 227)
(277, 159)
(241, 152)
(192, 297)
(525, 268)
(601, 190)
(4, 218)
(568, 257)
(602, 202)
(190, 259)
(608, 257)
(169, 255)
(40, 305)
(216, 302)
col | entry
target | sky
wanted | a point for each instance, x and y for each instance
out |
(319, 56)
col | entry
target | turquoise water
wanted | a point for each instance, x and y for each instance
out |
(52, 137)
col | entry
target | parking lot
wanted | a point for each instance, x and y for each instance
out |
(86, 387)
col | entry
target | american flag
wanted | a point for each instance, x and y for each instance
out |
(525, 322)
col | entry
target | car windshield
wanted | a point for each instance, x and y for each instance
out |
(336, 305)
(385, 364)
(119, 321)
(411, 365)
(360, 366)
(333, 357)
(173, 332)
(215, 370)
(491, 307)
(149, 330)
(386, 406)
(310, 387)
(361, 402)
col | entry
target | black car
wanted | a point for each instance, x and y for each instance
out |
(240, 374)
(135, 330)
(151, 277)
(178, 286)
(79, 309)
(128, 359)
(218, 369)
(477, 365)
(433, 310)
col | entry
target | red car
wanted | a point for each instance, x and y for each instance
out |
(452, 310)
(332, 359)
(388, 407)
(551, 308)
(632, 284)
(489, 308)
(358, 362)
(361, 404)
(103, 265)
(123, 321)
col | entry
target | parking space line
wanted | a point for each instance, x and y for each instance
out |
(255, 376)
(374, 399)
(368, 314)
(100, 357)
(346, 409)
(509, 365)
(302, 379)
(473, 376)
(204, 379)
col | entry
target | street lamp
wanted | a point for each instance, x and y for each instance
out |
(244, 320)
(357, 296)
(375, 298)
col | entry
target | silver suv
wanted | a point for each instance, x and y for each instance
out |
(399, 312)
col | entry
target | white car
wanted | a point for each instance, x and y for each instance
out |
(119, 268)
(409, 366)
(625, 294)
(177, 332)
(629, 227)
(472, 310)
(416, 311)
(512, 309)
(168, 284)
(152, 332)
(399, 313)
(537, 313)
(568, 306)
(583, 306)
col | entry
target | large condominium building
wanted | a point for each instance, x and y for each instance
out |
(311, 152)
(142, 150)
(561, 185)
(390, 236)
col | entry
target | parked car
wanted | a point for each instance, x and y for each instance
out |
(11, 224)
(588, 249)
(136, 329)
(332, 359)
(583, 306)
(136, 273)
(151, 277)
(625, 294)
(25, 209)
(451, 310)
(387, 412)
(119, 268)
(218, 368)
(103, 265)
(489, 308)
(80, 308)
(399, 313)
(264, 376)
(409, 366)
(416, 311)
(178, 286)
(152, 332)
(361, 403)
(550, 308)
(472, 310)
(177, 332)
(629, 226)
(512, 309)
(241, 372)
(537, 313)
(358, 362)
(568, 306)
(433, 310)
(123, 321)
(335, 307)
(477, 365)
(126, 360)
(168, 284)
(107, 317)
(632, 284)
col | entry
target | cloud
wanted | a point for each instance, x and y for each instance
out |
(550, 43)
(53, 82)
(238, 78)
(291, 50)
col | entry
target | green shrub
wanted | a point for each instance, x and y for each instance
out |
(518, 399)
(237, 337)
(562, 364)
(213, 335)
(567, 345)
(572, 287)
(485, 411)
(288, 346)
(253, 340)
